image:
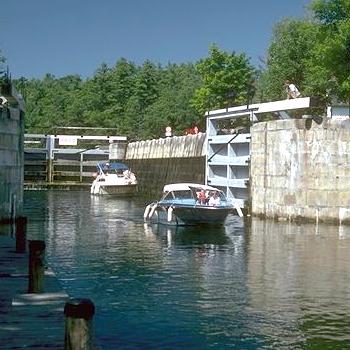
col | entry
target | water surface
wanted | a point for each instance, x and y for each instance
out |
(248, 285)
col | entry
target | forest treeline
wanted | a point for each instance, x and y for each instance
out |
(140, 101)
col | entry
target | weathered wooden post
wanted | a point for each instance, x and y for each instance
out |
(81, 167)
(36, 266)
(21, 228)
(78, 324)
(50, 145)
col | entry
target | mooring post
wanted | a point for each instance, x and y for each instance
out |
(36, 266)
(81, 167)
(78, 324)
(21, 229)
(50, 145)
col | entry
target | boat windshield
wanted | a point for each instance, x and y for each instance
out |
(221, 195)
(185, 194)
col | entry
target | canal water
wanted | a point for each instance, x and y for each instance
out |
(248, 285)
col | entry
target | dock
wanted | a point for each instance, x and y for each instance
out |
(28, 320)
(69, 186)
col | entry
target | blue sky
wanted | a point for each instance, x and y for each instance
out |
(65, 37)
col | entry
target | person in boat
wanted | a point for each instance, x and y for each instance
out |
(201, 197)
(106, 168)
(120, 173)
(214, 200)
(129, 176)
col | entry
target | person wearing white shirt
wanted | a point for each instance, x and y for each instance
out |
(291, 89)
(214, 200)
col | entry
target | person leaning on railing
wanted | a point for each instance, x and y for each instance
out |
(291, 89)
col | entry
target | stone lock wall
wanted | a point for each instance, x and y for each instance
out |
(167, 160)
(11, 162)
(301, 170)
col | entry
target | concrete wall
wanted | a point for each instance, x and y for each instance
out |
(301, 170)
(167, 160)
(170, 147)
(11, 161)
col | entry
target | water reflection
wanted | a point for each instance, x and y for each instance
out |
(188, 235)
(247, 285)
(106, 207)
(297, 283)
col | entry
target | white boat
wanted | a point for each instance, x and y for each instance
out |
(114, 178)
(181, 204)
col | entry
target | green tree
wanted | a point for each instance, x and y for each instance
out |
(122, 85)
(145, 93)
(36, 120)
(93, 102)
(226, 80)
(287, 57)
(4, 80)
(68, 92)
(331, 12)
(2, 65)
(313, 53)
(172, 107)
(328, 70)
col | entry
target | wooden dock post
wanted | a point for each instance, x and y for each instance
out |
(78, 324)
(50, 145)
(21, 229)
(36, 266)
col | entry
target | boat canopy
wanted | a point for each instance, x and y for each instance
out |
(188, 187)
(112, 166)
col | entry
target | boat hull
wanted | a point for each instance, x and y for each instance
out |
(115, 190)
(199, 215)
(182, 204)
(114, 180)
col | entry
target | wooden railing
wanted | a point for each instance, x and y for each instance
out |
(45, 161)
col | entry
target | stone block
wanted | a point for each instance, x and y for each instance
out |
(340, 183)
(342, 170)
(274, 168)
(258, 181)
(344, 136)
(322, 183)
(289, 199)
(276, 182)
(316, 198)
(258, 127)
(344, 215)
(341, 199)
(300, 197)
(328, 214)
(257, 163)
(299, 124)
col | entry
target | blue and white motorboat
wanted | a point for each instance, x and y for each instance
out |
(114, 178)
(181, 204)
